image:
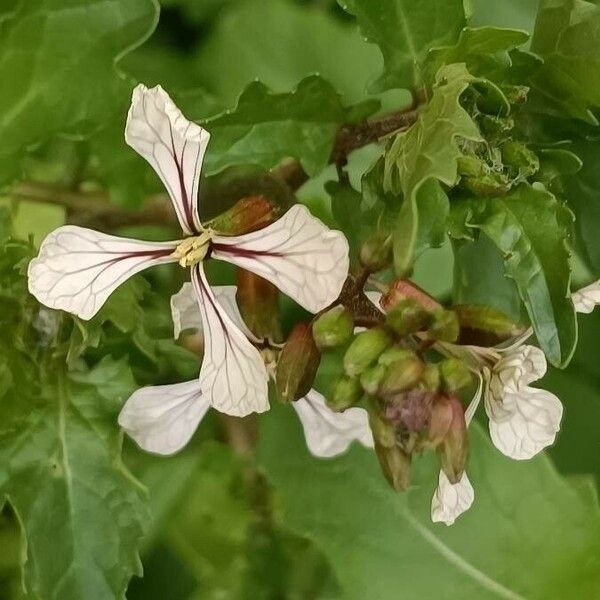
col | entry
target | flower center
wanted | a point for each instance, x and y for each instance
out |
(193, 249)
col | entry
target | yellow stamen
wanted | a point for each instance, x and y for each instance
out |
(192, 250)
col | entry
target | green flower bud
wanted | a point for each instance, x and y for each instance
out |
(445, 327)
(455, 375)
(471, 166)
(371, 378)
(298, 364)
(401, 289)
(520, 158)
(455, 446)
(333, 328)
(346, 393)
(393, 354)
(490, 185)
(376, 252)
(431, 378)
(401, 375)
(407, 316)
(365, 350)
(258, 301)
(246, 215)
(383, 430)
(484, 326)
(395, 464)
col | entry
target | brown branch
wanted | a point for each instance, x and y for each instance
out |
(95, 208)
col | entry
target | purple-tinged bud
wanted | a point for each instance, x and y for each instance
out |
(407, 316)
(365, 350)
(376, 252)
(401, 375)
(410, 410)
(455, 446)
(258, 301)
(445, 327)
(371, 378)
(455, 374)
(333, 328)
(484, 326)
(402, 288)
(346, 393)
(298, 364)
(246, 215)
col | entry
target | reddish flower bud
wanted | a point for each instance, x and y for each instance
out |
(402, 288)
(298, 364)
(246, 215)
(455, 446)
(258, 301)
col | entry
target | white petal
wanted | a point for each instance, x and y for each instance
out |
(301, 256)
(329, 433)
(533, 420)
(186, 313)
(77, 269)
(172, 145)
(233, 374)
(163, 418)
(587, 298)
(451, 499)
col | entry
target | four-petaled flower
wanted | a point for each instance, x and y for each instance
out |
(77, 269)
(162, 419)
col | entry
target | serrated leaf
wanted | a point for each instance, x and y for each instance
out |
(531, 230)
(405, 30)
(266, 128)
(397, 550)
(57, 60)
(82, 514)
(428, 151)
(484, 50)
(567, 37)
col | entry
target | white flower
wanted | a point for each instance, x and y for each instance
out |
(77, 269)
(587, 298)
(162, 419)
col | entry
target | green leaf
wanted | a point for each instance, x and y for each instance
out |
(82, 514)
(531, 229)
(567, 37)
(405, 30)
(428, 151)
(398, 551)
(59, 58)
(484, 50)
(266, 128)
(279, 43)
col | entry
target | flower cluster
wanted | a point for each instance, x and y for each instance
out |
(77, 269)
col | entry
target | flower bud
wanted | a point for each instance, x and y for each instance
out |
(406, 317)
(455, 375)
(471, 166)
(298, 364)
(484, 326)
(520, 158)
(333, 328)
(371, 378)
(365, 349)
(431, 378)
(402, 288)
(346, 393)
(445, 326)
(395, 464)
(455, 447)
(246, 215)
(258, 301)
(376, 252)
(401, 375)
(440, 421)
(393, 354)
(487, 186)
(384, 432)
